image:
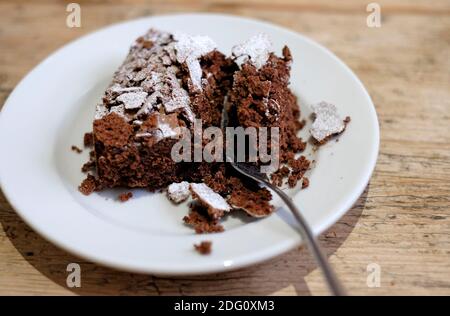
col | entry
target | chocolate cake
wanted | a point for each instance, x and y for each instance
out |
(168, 82)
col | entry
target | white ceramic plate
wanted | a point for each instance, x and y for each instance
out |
(53, 106)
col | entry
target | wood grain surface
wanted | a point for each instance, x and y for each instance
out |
(401, 222)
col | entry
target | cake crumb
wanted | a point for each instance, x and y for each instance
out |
(88, 185)
(88, 140)
(178, 192)
(200, 221)
(327, 122)
(299, 167)
(305, 183)
(204, 248)
(123, 197)
(278, 176)
(215, 204)
(253, 200)
(76, 149)
(292, 180)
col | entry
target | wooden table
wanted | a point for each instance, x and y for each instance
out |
(401, 222)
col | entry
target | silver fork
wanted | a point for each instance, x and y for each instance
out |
(251, 171)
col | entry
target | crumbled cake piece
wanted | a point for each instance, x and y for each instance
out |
(251, 198)
(299, 167)
(214, 203)
(327, 121)
(305, 182)
(178, 192)
(76, 149)
(123, 197)
(204, 247)
(88, 185)
(199, 219)
(278, 176)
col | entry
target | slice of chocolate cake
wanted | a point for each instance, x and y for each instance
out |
(166, 81)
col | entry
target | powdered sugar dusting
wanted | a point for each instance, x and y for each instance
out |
(189, 49)
(100, 111)
(147, 80)
(118, 109)
(256, 50)
(116, 88)
(164, 130)
(178, 192)
(132, 100)
(209, 197)
(179, 99)
(327, 121)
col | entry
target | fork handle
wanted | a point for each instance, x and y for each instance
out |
(305, 231)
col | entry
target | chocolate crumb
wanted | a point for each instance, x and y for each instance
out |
(305, 183)
(88, 140)
(278, 176)
(88, 185)
(203, 248)
(90, 165)
(253, 200)
(123, 197)
(199, 220)
(76, 149)
(292, 180)
(299, 167)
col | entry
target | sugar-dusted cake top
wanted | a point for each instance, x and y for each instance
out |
(256, 50)
(210, 198)
(189, 49)
(148, 80)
